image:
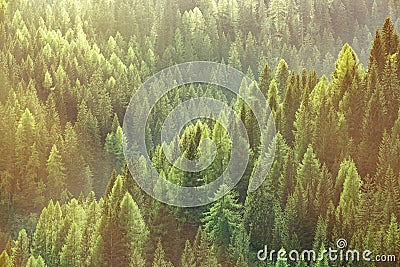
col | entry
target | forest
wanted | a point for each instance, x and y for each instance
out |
(329, 71)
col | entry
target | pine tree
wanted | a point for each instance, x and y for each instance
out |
(281, 77)
(308, 175)
(324, 191)
(392, 240)
(233, 58)
(56, 174)
(188, 257)
(303, 133)
(265, 79)
(320, 238)
(309, 169)
(101, 102)
(20, 249)
(390, 82)
(89, 229)
(324, 262)
(343, 76)
(373, 126)
(258, 216)
(48, 81)
(273, 97)
(134, 231)
(222, 219)
(47, 229)
(71, 251)
(349, 197)
(325, 141)
(204, 253)
(35, 262)
(26, 135)
(287, 181)
(114, 147)
(122, 232)
(290, 105)
(159, 257)
(377, 54)
(390, 38)
(5, 260)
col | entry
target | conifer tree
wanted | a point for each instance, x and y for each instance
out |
(56, 173)
(71, 251)
(345, 71)
(290, 105)
(273, 97)
(377, 54)
(372, 132)
(159, 257)
(188, 257)
(281, 77)
(258, 216)
(5, 259)
(349, 197)
(390, 38)
(113, 146)
(122, 230)
(48, 81)
(265, 79)
(204, 253)
(392, 240)
(303, 133)
(35, 262)
(221, 221)
(20, 249)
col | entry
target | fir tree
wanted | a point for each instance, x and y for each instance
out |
(222, 219)
(20, 249)
(159, 257)
(188, 257)
(5, 260)
(56, 173)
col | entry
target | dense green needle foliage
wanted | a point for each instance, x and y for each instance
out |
(69, 68)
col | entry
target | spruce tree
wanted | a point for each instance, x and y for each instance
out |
(5, 259)
(20, 249)
(56, 173)
(392, 241)
(221, 221)
(35, 262)
(71, 252)
(159, 257)
(122, 232)
(390, 39)
(349, 197)
(377, 54)
(188, 257)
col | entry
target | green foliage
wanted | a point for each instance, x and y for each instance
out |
(20, 249)
(35, 262)
(122, 231)
(188, 257)
(66, 68)
(71, 251)
(114, 146)
(223, 218)
(159, 257)
(5, 260)
(56, 173)
(349, 196)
